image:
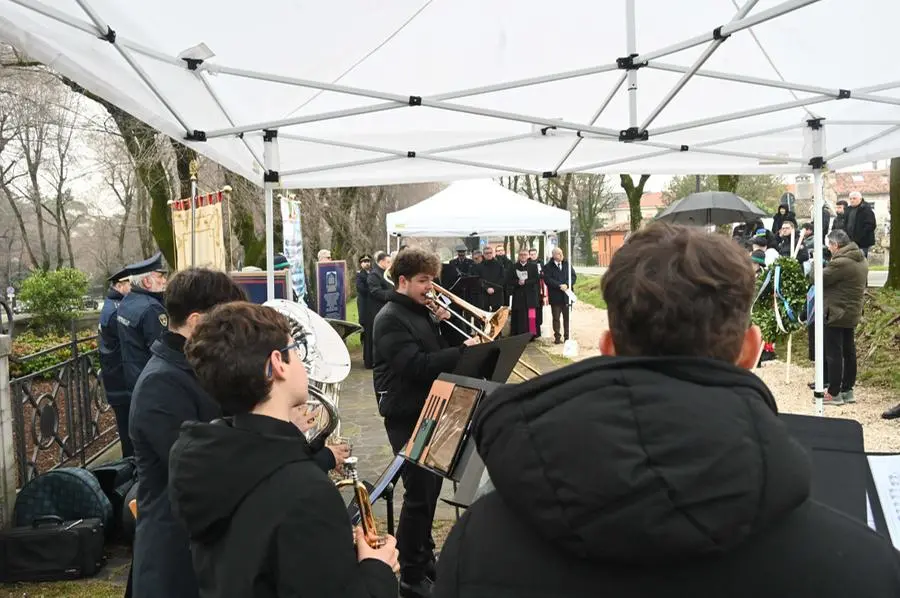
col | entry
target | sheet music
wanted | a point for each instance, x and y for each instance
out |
(886, 472)
(522, 274)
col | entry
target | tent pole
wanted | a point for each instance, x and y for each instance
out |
(107, 33)
(725, 30)
(584, 167)
(212, 93)
(271, 181)
(701, 60)
(867, 141)
(818, 302)
(631, 48)
(775, 83)
(742, 114)
(597, 114)
(707, 150)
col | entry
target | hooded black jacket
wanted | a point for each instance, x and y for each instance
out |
(648, 477)
(264, 520)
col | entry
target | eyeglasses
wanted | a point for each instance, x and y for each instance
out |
(302, 351)
(300, 345)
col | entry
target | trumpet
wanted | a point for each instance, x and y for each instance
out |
(366, 517)
(493, 322)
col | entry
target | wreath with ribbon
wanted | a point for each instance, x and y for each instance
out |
(780, 306)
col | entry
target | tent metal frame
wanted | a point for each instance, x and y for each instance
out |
(634, 133)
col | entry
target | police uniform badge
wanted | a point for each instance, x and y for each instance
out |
(164, 320)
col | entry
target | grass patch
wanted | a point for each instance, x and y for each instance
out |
(63, 589)
(587, 289)
(878, 268)
(353, 341)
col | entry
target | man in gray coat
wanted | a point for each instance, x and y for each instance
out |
(844, 284)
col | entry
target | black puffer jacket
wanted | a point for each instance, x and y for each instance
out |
(638, 478)
(410, 354)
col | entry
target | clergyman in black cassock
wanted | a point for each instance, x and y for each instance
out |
(522, 282)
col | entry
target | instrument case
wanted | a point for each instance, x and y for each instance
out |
(52, 549)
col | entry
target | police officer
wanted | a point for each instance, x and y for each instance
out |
(142, 316)
(117, 394)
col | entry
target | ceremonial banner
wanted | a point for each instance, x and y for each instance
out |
(209, 228)
(292, 233)
(331, 289)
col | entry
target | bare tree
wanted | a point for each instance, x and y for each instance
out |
(634, 194)
(592, 197)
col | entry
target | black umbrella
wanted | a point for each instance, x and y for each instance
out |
(711, 207)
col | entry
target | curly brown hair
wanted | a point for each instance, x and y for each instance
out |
(229, 351)
(414, 261)
(675, 290)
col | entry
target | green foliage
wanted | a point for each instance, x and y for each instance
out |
(29, 343)
(587, 288)
(793, 288)
(878, 339)
(763, 190)
(54, 298)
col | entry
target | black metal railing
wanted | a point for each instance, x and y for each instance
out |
(60, 413)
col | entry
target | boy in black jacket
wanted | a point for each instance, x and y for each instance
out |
(264, 519)
(661, 468)
(410, 353)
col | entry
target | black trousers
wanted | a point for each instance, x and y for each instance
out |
(840, 357)
(121, 412)
(556, 311)
(368, 359)
(421, 490)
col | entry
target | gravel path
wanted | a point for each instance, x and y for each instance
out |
(793, 396)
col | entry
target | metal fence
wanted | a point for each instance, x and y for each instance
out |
(60, 413)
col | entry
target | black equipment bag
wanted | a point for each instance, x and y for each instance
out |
(117, 479)
(51, 550)
(69, 493)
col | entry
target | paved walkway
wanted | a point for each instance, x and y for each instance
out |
(362, 425)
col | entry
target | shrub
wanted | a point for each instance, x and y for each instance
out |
(54, 298)
(29, 343)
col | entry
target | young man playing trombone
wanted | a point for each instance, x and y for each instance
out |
(410, 354)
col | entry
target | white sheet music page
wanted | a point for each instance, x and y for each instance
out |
(886, 472)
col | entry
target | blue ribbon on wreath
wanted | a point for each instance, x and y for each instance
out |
(784, 301)
(764, 285)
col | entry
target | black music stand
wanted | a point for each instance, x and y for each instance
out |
(840, 470)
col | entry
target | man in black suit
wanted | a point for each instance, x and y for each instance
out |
(362, 307)
(556, 276)
(379, 291)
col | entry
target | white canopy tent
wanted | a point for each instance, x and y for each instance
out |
(477, 209)
(421, 90)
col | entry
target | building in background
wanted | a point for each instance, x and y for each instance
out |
(611, 236)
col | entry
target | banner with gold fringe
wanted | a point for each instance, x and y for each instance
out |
(208, 232)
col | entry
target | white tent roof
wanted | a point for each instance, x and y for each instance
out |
(419, 90)
(477, 208)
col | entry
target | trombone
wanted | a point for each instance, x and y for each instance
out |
(493, 322)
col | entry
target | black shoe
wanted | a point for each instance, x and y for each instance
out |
(419, 589)
(557, 341)
(892, 413)
(431, 571)
(812, 385)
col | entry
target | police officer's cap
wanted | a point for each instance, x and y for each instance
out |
(119, 276)
(461, 249)
(152, 264)
(365, 258)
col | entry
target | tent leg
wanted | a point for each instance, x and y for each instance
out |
(632, 73)
(818, 246)
(271, 181)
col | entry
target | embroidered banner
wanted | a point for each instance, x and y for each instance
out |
(209, 229)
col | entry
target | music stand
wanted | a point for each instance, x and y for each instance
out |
(840, 471)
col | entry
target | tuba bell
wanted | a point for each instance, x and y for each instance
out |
(327, 364)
